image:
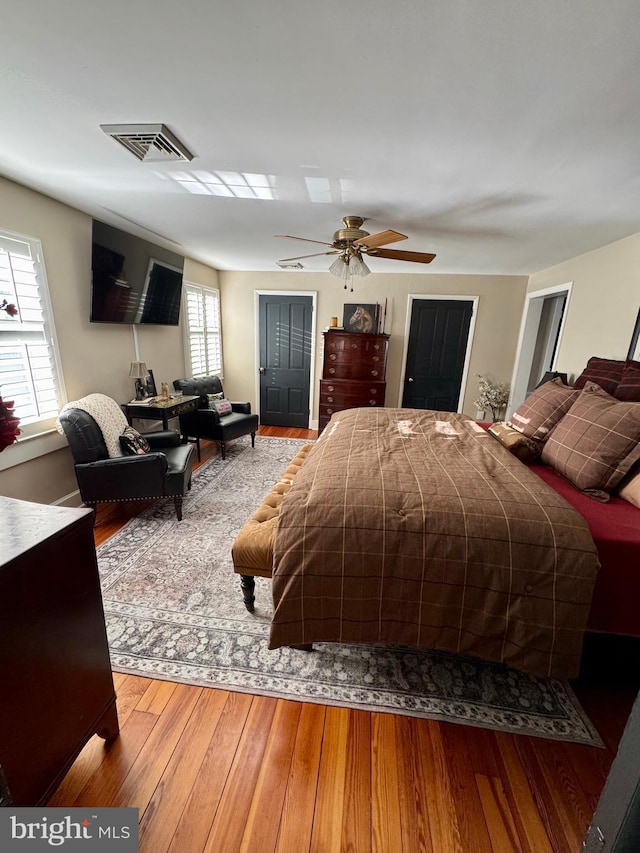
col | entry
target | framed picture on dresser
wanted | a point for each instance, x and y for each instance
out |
(362, 319)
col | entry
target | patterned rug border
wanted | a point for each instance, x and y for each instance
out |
(287, 684)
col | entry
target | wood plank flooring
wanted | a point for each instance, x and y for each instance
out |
(211, 770)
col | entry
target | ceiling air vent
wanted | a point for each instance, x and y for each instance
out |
(148, 142)
(289, 265)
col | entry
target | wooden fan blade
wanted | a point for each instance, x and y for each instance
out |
(401, 255)
(316, 255)
(381, 238)
(306, 239)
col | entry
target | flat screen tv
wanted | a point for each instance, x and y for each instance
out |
(133, 281)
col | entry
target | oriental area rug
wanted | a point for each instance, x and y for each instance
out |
(174, 611)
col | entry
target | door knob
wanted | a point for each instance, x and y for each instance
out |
(410, 379)
(262, 370)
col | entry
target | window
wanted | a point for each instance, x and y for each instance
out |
(202, 330)
(29, 370)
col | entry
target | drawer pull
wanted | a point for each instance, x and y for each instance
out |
(333, 356)
(373, 390)
(329, 399)
(375, 358)
(372, 402)
(329, 411)
(374, 372)
(331, 388)
(332, 370)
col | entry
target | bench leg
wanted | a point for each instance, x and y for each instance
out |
(248, 585)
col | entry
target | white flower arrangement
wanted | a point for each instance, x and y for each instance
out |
(493, 397)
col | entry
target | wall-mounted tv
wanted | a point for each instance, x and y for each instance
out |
(133, 281)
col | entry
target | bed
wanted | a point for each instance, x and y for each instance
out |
(419, 529)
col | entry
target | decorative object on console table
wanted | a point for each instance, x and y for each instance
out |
(353, 372)
(55, 668)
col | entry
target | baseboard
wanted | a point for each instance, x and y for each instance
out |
(72, 500)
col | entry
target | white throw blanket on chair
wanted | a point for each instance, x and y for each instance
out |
(107, 414)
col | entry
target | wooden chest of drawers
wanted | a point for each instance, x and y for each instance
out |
(353, 372)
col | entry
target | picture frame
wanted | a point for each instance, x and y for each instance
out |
(360, 318)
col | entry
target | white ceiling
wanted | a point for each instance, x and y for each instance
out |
(502, 135)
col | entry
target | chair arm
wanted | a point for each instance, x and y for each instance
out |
(162, 438)
(117, 479)
(243, 408)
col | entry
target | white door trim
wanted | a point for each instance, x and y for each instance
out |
(407, 325)
(527, 337)
(313, 424)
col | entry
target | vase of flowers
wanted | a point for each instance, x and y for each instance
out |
(8, 424)
(8, 421)
(493, 397)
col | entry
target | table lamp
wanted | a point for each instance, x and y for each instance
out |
(138, 371)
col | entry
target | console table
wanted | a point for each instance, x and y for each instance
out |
(157, 409)
(55, 670)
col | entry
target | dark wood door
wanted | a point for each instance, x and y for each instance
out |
(436, 351)
(285, 359)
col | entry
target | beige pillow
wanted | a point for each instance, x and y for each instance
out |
(631, 490)
(542, 409)
(596, 442)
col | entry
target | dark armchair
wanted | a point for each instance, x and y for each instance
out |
(165, 471)
(206, 423)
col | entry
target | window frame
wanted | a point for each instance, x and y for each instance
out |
(201, 290)
(40, 435)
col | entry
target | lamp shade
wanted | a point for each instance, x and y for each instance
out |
(340, 267)
(138, 370)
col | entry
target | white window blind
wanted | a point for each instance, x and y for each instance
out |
(29, 369)
(203, 338)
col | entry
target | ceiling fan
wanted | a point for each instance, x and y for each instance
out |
(351, 243)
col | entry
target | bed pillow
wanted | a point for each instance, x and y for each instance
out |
(605, 372)
(629, 386)
(596, 443)
(133, 443)
(222, 407)
(525, 449)
(543, 408)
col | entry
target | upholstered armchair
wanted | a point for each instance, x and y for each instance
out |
(208, 423)
(164, 470)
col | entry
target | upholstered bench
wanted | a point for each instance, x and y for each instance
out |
(252, 550)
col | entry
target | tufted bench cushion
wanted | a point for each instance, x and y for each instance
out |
(252, 550)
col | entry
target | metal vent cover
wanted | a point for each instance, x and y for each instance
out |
(148, 142)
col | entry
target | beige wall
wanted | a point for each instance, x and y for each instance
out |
(496, 331)
(95, 357)
(604, 302)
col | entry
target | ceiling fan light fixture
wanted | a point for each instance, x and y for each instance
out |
(357, 266)
(340, 267)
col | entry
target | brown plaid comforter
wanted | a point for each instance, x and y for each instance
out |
(417, 528)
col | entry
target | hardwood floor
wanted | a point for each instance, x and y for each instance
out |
(211, 770)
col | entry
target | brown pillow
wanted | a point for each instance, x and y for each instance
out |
(629, 386)
(543, 408)
(523, 448)
(605, 372)
(596, 442)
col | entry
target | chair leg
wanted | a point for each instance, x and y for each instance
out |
(223, 449)
(253, 439)
(177, 502)
(198, 446)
